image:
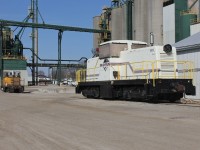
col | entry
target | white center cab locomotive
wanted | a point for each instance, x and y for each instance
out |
(125, 69)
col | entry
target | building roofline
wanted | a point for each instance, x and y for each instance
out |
(189, 47)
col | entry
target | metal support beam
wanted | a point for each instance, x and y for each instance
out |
(60, 33)
(56, 65)
(193, 4)
(50, 26)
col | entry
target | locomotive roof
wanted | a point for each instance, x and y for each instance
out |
(125, 42)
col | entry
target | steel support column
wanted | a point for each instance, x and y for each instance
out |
(33, 41)
(59, 56)
(36, 39)
(129, 20)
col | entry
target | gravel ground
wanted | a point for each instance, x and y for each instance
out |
(54, 118)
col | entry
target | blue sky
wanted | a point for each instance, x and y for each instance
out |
(77, 13)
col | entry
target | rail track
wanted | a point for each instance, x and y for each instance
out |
(189, 101)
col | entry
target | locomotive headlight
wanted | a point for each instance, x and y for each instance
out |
(167, 48)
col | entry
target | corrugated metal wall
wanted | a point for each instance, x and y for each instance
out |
(169, 24)
(194, 56)
(194, 29)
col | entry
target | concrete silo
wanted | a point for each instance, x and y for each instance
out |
(148, 18)
(140, 20)
(96, 21)
(155, 20)
(122, 25)
(116, 23)
(135, 20)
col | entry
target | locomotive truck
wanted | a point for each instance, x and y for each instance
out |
(125, 69)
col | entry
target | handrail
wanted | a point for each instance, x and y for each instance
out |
(143, 70)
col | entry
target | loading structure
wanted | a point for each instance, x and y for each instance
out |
(13, 64)
(59, 28)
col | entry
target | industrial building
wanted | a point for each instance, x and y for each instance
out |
(13, 62)
(189, 50)
(177, 19)
(181, 26)
(169, 20)
(131, 20)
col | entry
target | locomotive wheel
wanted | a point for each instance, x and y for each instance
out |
(5, 89)
(84, 93)
(95, 92)
(21, 90)
(92, 92)
(11, 90)
(155, 99)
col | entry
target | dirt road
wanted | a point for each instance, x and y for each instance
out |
(65, 121)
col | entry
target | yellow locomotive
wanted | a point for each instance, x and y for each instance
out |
(12, 83)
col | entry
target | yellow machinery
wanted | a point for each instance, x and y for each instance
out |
(12, 83)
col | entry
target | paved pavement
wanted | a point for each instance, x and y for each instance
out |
(61, 120)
